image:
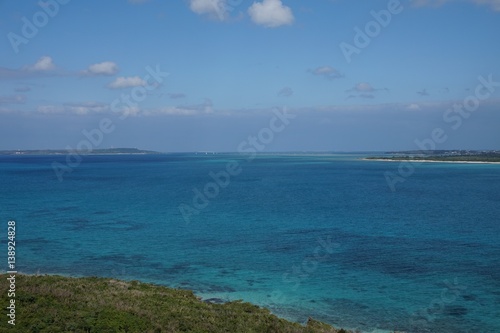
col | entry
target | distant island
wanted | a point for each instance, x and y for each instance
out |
(109, 151)
(458, 156)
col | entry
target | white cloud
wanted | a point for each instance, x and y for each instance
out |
(270, 13)
(45, 67)
(43, 64)
(184, 110)
(86, 107)
(127, 82)
(23, 89)
(421, 3)
(89, 108)
(6, 110)
(48, 109)
(130, 111)
(83, 108)
(42, 67)
(174, 111)
(102, 68)
(494, 4)
(363, 90)
(364, 96)
(327, 72)
(204, 108)
(413, 107)
(285, 92)
(363, 87)
(213, 8)
(13, 99)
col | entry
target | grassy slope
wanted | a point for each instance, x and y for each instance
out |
(61, 304)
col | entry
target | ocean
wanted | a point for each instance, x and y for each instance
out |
(305, 235)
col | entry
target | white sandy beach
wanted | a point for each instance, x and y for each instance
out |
(427, 161)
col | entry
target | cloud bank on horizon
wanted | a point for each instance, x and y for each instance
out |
(201, 74)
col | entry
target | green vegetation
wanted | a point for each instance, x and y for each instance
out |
(443, 156)
(109, 151)
(61, 304)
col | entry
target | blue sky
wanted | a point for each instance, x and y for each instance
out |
(67, 65)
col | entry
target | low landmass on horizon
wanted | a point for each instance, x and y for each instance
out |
(480, 156)
(108, 151)
(477, 156)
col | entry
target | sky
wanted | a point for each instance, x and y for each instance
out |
(228, 75)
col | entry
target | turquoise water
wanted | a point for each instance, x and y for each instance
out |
(304, 235)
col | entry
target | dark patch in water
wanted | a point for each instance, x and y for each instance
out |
(249, 180)
(40, 212)
(118, 259)
(220, 289)
(67, 208)
(81, 223)
(102, 212)
(123, 225)
(32, 241)
(41, 244)
(455, 311)
(280, 248)
(181, 268)
(208, 242)
(156, 265)
(469, 297)
(77, 224)
(303, 231)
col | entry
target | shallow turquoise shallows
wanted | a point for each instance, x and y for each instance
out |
(320, 235)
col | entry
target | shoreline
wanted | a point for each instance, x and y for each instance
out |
(133, 301)
(312, 323)
(426, 161)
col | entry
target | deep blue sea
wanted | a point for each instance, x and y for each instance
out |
(318, 235)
